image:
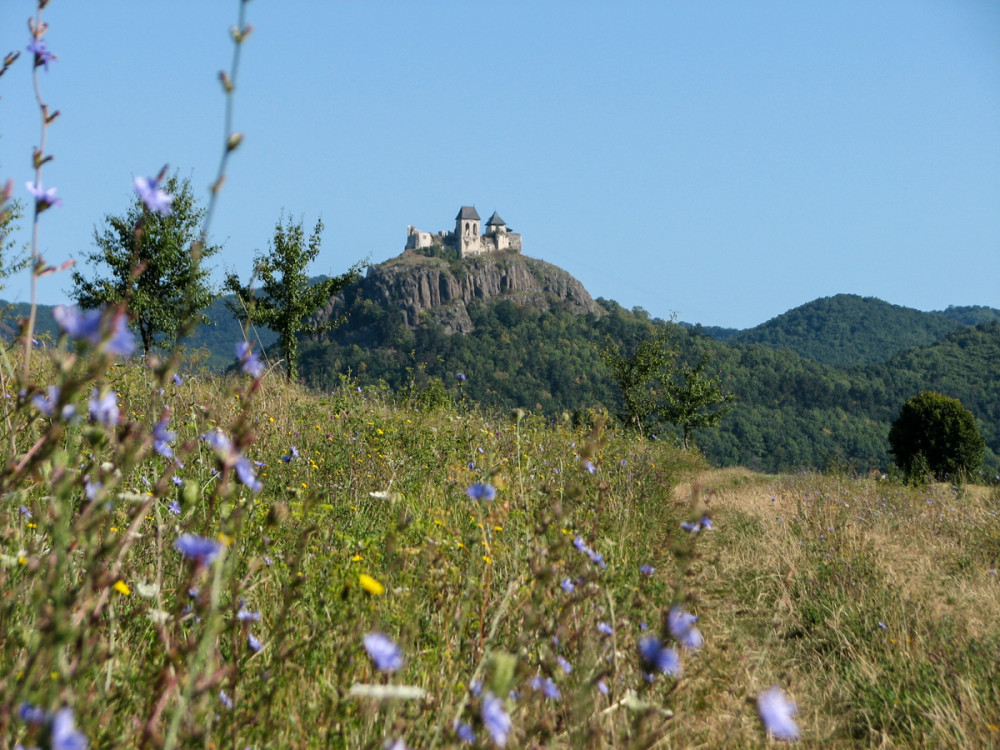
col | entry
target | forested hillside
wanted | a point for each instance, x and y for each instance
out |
(815, 387)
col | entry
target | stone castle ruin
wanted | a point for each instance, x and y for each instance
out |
(467, 238)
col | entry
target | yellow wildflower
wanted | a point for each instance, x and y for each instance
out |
(122, 588)
(370, 585)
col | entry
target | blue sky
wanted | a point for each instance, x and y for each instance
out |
(724, 161)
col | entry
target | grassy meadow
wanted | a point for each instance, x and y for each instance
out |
(874, 606)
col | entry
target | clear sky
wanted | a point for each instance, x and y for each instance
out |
(726, 161)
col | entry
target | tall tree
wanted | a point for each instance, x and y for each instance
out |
(636, 376)
(692, 400)
(287, 298)
(153, 265)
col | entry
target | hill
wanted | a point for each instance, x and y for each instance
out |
(847, 329)
(414, 326)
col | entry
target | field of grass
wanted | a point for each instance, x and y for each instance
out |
(875, 607)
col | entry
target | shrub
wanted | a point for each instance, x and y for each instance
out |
(935, 435)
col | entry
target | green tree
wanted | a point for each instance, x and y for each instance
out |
(636, 377)
(10, 260)
(935, 435)
(692, 400)
(288, 298)
(154, 265)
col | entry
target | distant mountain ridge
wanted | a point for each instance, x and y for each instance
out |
(847, 329)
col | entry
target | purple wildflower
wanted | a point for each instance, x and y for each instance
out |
(225, 700)
(580, 544)
(41, 52)
(254, 643)
(460, 377)
(388, 657)
(776, 712)
(43, 198)
(682, 628)
(245, 473)
(495, 719)
(589, 465)
(567, 585)
(292, 454)
(548, 687)
(476, 687)
(86, 325)
(693, 526)
(174, 507)
(198, 548)
(656, 658)
(564, 664)
(31, 714)
(148, 189)
(465, 732)
(92, 490)
(65, 735)
(104, 409)
(249, 362)
(481, 491)
(177, 379)
(602, 686)
(247, 616)
(24, 511)
(604, 629)
(162, 438)
(647, 570)
(46, 404)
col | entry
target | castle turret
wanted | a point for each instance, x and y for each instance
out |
(496, 225)
(467, 231)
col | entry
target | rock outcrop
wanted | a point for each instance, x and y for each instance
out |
(422, 286)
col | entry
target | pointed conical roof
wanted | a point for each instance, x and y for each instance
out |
(468, 212)
(496, 221)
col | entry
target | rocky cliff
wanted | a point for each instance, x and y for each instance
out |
(422, 286)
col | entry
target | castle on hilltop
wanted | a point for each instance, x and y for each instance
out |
(467, 238)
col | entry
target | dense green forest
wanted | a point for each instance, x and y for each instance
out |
(789, 411)
(817, 387)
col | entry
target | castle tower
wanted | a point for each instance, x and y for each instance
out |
(496, 225)
(467, 231)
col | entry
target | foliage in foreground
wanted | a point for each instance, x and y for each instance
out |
(497, 554)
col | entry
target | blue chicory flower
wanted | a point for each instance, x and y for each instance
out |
(155, 199)
(564, 664)
(104, 409)
(647, 570)
(46, 404)
(388, 657)
(589, 465)
(602, 686)
(31, 714)
(776, 712)
(245, 473)
(249, 362)
(43, 198)
(225, 699)
(245, 615)
(177, 379)
(604, 628)
(495, 719)
(162, 438)
(460, 377)
(656, 658)
(682, 628)
(482, 491)
(254, 643)
(174, 507)
(43, 56)
(198, 548)
(25, 512)
(86, 325)
(465, 732)
(567, 585)
(65, 735)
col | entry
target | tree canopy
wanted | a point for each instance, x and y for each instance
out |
(935, 435)
(154, 263)
(287, 298)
